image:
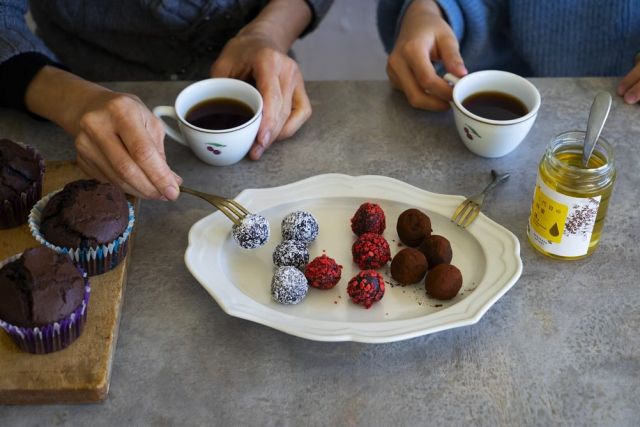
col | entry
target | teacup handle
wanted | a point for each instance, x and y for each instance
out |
(451, 78)
(167, 111)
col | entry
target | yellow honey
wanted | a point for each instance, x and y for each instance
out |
(570, 201)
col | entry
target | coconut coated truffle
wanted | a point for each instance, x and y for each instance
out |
(408, 266)
(252, 232)
(437, 249)
(292, 253)
(289, 286)
(371, 251)
(323, 272)
(413, 226)
(366, 288)
(369, 218)
(300, 225)
(443, 282)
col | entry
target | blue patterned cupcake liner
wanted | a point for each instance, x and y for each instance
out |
(93, 260)
(54, 336)
(14, 211)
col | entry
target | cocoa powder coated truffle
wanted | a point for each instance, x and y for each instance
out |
(252, 232)
(369, 218)
(413, 226)
(291, 253)
(85, 213)
(371, 251)
(39, 288)
(443, 282)
(289, 286)
(437, 249)
(366, 288)
(408, 266)
(323, 272)
(300, 225)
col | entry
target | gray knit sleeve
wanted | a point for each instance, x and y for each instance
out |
(15, 36)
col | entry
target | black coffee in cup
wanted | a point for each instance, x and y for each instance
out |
(495, 105)
(219, 114)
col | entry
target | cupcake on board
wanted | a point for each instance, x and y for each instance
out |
(89, 220)
(43, 300)
(21, 172)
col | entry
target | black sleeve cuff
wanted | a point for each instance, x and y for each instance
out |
(16, 74)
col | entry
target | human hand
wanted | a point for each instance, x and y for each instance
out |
(117, 138)
(424, 37)
(629, 87)
(120, 141)
(278, 78)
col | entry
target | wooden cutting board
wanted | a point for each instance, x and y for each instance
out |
(79, 373)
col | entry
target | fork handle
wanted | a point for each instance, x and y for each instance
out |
(497, 179)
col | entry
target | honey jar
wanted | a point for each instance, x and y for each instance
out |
(570, 200)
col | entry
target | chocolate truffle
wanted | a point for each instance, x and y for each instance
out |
(289, 286)
(371, 251)
(21, 171)
(369, 218)
(366, 288)
(85, 213)
(323, 272)
(252, 232)
(412, 227)
(292, 253)
(437, 249)
(300, 225)
(39, 288)
(408, 266)
(443, 281)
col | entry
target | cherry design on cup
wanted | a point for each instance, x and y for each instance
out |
(468, 130)
(213, 147)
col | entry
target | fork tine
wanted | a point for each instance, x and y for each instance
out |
(471, 207)
(239, 206)
(459, 210)
(475, 211)
(233, 208)
(229, 213)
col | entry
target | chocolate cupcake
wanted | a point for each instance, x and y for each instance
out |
(43, 300)
(88, 220)
(21, 171)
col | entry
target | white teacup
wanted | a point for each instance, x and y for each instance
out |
(486, 137)
(218, 147)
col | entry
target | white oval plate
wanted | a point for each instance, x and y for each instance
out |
(487, 254)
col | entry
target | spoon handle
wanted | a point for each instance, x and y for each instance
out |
(597, 116)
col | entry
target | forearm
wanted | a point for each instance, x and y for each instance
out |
(60, 96)
(282, 21)
(421, 7)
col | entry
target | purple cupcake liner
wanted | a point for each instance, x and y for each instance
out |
(15, 211)
(94, 260)
(54, 336)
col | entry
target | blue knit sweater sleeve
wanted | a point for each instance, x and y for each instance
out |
(15, 36)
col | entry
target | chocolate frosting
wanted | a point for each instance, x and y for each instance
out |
(39, 288)
(18, 169)
(86, 213)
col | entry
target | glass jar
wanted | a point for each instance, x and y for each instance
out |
(570, 201)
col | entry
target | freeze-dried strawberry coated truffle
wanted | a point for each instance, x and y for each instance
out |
(369, 218)
(371, 251)
(323, 272)
(366, 288)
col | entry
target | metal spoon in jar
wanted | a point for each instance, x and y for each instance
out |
(597, 116)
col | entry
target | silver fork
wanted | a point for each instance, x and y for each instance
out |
(470, 208)
(232, 209)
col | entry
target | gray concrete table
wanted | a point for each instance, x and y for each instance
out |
(561, 347)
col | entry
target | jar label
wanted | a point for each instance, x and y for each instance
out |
(559, 224)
